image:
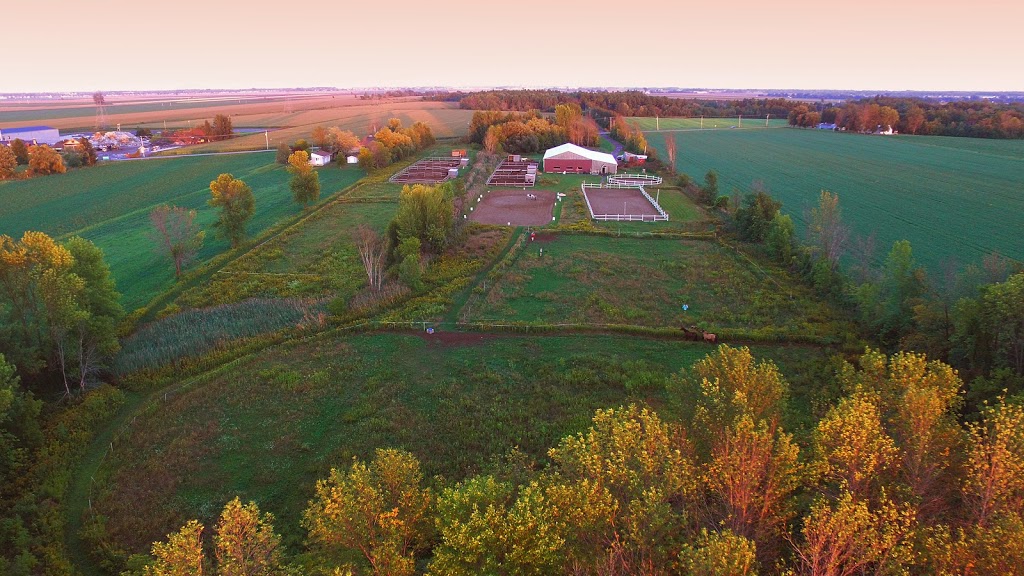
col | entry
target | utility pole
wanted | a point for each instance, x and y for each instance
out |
(266, 134)
(657, 122)
(741, 121)
(701, 121)
(766, 116)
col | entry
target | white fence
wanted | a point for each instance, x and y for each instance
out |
(661, 216)
(645, 179)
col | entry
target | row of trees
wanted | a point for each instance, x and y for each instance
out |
(43, 160)
(519, 133)
(631, 137)
(393, 143)
(887, 482)
(979, 119)
(606, 105)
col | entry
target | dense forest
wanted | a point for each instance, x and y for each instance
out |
(975, 119)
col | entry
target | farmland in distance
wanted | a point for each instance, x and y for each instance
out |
(950, 197)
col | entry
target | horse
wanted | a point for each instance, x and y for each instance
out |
(710, 338)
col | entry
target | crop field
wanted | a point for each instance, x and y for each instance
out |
(110, 204)
(444, 121)
(950, 197)
(277, 422)
(606, 280)
(651, 124)
(82, 115)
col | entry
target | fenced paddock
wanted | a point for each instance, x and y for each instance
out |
(635, 179)
(432, 170)
(515, 207)
(622, 203)
(520, 173)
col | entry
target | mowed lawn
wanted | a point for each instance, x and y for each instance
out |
(648, 124)
(273, 425)
(950, 197)
(597, 280)
(110, 205)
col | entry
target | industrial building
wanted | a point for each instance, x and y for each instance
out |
(30, 134)
(575, 159)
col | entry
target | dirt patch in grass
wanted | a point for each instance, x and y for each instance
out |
(455, 339)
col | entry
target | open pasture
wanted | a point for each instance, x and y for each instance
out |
(278, 421)
(110, 204)
(515, 207)
(955, 198)
(680, 124)
(594, 280)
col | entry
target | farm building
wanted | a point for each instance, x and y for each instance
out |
(30, 134)
(320, 158)
(576, 159)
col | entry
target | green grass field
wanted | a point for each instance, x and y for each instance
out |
(607, 280)
(110, 204)
(273, 425)
(649, 124)
(950, 197)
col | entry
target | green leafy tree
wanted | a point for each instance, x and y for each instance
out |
(20, 150)
(888, 306)
(305, 183)
(96, 336)
(87, 151)
(378, 509)
(301, 144)
(246, 544)
(489, 527)
(781, 239)
(826, 230)
(283, 152)
(409, 269)
(427, 213)
(236, 203)
(221, 127)
(176, 234)
(755, 217)
(8, 162)
(709, 191)
(181, 555)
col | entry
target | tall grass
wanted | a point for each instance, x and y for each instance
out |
(195, 332)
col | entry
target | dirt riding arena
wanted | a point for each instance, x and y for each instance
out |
(516, 207)
(429, 171)
(626, 204)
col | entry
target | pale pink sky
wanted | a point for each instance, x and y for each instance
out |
(867, 44)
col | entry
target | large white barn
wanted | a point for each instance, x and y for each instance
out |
(30, 134)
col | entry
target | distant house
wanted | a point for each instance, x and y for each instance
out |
(579, 160)
(352, 159)
(30, 134)
(320, 158)
(827, 126)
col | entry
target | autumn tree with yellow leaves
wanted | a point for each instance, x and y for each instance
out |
(237, 204)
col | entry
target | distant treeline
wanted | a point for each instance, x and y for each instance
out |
(604, 105)
(975, 119)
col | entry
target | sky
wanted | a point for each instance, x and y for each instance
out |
(111, 45)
